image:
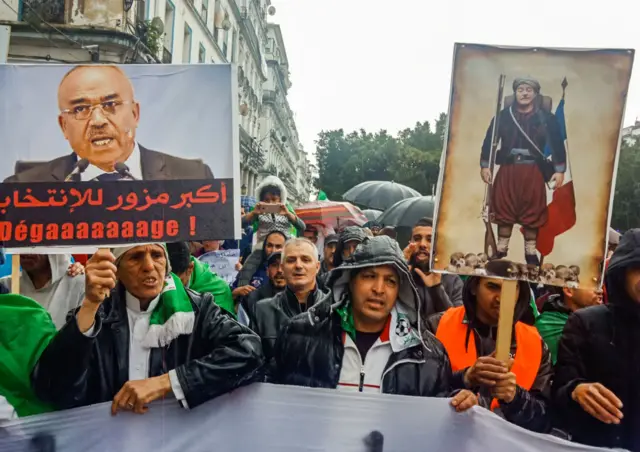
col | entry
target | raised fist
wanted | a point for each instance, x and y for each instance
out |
(100, 276)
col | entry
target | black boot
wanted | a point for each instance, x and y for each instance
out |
(532, 259)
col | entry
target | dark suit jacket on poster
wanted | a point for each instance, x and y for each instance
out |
(155, 166)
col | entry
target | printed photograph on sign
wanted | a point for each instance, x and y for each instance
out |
(104, 154)
(530, 161)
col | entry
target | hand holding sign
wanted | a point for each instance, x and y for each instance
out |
(100, 276)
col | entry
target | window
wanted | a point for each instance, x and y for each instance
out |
(225, 46)
(169, 24)
(204, 10)
(232, 58)
(186, 44)
(202, 54)
(216, 34)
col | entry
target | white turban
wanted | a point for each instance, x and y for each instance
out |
(122, 250)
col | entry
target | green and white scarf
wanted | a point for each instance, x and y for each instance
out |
(172, 316)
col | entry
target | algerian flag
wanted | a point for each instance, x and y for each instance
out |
(322, 196)
(26, 329)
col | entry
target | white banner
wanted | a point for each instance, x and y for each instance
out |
(272, 418)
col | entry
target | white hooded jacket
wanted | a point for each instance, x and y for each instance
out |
(273, 222)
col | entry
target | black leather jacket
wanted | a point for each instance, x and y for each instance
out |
(271, 315)
(76, 370)
(309, 353)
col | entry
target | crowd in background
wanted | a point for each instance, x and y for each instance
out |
(356, 313)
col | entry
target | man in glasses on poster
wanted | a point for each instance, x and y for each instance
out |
(99, 117)
(519, 193)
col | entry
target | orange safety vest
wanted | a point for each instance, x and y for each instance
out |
(452, 332)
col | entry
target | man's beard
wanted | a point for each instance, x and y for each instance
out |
(422, 265)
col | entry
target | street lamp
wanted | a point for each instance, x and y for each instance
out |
(243, 190)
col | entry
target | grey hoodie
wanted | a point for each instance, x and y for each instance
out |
(376, 251)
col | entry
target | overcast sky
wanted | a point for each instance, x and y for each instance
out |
(387, 64)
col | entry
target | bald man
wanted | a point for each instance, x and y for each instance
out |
(99, 117)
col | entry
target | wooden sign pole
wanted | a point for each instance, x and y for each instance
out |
(15, 273)
(508, 299)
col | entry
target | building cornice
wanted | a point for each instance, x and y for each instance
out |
(83, 34)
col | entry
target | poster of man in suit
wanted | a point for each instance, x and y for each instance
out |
(529, 162)
(99, 116)
(167, 134)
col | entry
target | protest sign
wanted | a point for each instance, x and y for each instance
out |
(530, 161)
(123, 154)
(223, 263)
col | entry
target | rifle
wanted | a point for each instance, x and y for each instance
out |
(490, 245)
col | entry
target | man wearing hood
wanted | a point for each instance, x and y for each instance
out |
(598, 369)
(349, 238)
(517, 390)
(330, 245)
(367, 337)
(140, 335)
(300, 267)
(437, 292)
(53, 281)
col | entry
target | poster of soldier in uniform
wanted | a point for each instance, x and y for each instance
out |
(530, 161)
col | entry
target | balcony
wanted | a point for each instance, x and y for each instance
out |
(167, 58)
(253, 41)
(39, 11)
(251, 151)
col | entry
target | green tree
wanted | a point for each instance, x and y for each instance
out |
(412, 158)
(626, 204)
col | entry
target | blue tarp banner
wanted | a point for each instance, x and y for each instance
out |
(268, 418)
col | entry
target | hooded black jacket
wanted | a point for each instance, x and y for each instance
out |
(601, 344)
(348, 234)
(309, 350)
(529, 409)
(76, 370)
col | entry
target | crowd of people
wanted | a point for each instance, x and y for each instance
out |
(145, 322)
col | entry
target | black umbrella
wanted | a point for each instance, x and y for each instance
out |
(407, 212)
(377, 194)
(372, 214)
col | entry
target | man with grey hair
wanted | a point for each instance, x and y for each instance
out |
(519, 194)
(140, 335)
(300, 266)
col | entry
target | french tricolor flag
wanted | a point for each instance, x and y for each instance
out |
(561, 206)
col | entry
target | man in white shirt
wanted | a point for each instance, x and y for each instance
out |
(53, 281)
(140, 335)
(99, 117)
